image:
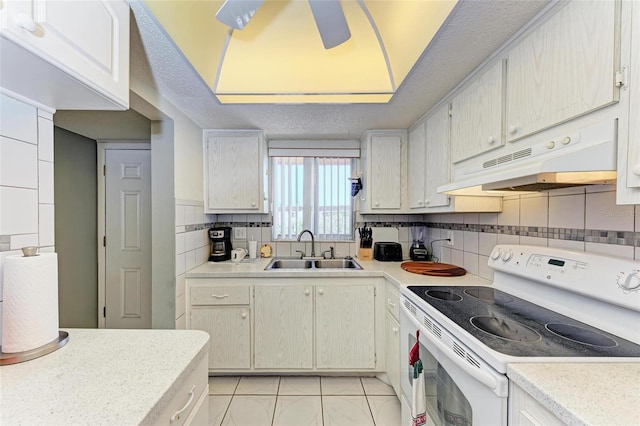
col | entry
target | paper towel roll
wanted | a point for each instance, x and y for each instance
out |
(30, 311)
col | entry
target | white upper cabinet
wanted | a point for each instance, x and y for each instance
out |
(235, 171)
(476, 116)
(437, 157)
(383, 157)
(565, 68)
(416, 150)
(87, 40)
(633, 149)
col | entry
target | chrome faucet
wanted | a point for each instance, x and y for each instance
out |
(313, 242)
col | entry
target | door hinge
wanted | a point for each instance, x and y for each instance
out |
(104, 241)
(621, 77)
(104, 311)
(104, 170)
(375, 292)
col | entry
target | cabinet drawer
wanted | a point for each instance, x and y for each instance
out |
(392, 301)
(236, 295)
(187, 397)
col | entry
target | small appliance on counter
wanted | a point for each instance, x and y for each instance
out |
(418, 251)
(387, 252)
(220, 244)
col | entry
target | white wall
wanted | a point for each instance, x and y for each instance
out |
(26, 179)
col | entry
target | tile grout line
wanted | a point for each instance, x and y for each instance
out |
(366, 397)
(275, 404)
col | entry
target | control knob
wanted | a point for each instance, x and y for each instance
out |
(495, 255)
(506, 256)
(630, 281)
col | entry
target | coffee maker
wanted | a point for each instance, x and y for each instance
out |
(220, 244)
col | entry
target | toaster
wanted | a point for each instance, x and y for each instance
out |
(387, 252)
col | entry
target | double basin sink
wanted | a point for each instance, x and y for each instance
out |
(312, 264)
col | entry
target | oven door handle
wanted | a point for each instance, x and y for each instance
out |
(477, 374)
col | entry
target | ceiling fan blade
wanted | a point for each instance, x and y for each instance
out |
(237, 13)
(331, 23)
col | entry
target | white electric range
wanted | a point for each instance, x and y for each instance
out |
(545, 305)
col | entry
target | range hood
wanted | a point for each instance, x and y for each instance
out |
(586, 156)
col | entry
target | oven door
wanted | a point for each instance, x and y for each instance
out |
(458, 391)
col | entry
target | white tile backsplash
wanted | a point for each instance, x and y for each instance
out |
(603, 213)
(45, 139)
(510, 212)
(534, 211)
(24, 240)
(190, 260)
(626, 252)
(18, 120)
(567, 244)
(18, 163)
(533, 241)
(45, 182)
(470, 262)
(47, 225)
(567, 211)
(486, 242)
(484, 270)
(18, 211)
(189, 215)
(470, 241)
(181, 264)
(181, 243)
(180, 215)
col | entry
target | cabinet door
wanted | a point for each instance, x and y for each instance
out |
(384, 173)
(437, 162)
(565, 68)
(392, 353)
(229, 331)
(233, 166)
(416, 150)
(283, 326)
(88, 40)
(476, 116)
(345, 335)
(633, 153)
(526, 411)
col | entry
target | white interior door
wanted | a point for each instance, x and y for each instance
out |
(128, 238)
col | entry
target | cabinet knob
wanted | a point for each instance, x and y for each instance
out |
(26, 22)
(395, 330)
(419, 202)
(550, 145)
(320, 291)
(307, 292)
(253, 204)
(427, 201)
(513, 129)
(244, 315)
(566, 140)
(636, 169)
(491, 140)
(376, 203)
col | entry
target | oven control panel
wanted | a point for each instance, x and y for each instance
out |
(610, 279)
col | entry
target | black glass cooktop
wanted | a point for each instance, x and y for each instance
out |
(516, 327)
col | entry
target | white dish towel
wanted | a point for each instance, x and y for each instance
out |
(419, 401)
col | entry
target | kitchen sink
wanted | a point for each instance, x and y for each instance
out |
(336, 264)
(279, 263)
(289, 264)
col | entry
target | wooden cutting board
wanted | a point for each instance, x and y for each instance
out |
(434, 269)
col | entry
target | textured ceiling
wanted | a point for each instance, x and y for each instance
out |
(474, 31)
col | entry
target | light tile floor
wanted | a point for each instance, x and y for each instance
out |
(302, 400)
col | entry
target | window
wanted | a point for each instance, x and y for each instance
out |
(312, 193)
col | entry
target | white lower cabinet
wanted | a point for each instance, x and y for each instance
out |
(225, 313)
(283, 326)
(290, 324)
(345, 327)
(524, 410)
(190, 404)
(229, 329)
(392, 336)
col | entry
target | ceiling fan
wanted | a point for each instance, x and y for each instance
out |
(327, 14)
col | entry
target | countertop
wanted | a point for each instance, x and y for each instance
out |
(371, 268)
(585, 393)
(101, 377)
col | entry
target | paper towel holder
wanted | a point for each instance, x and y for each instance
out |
(29, 251)
(16, 357)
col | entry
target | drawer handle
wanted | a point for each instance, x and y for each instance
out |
(390, 303)
(176, 415)
(219, 296)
